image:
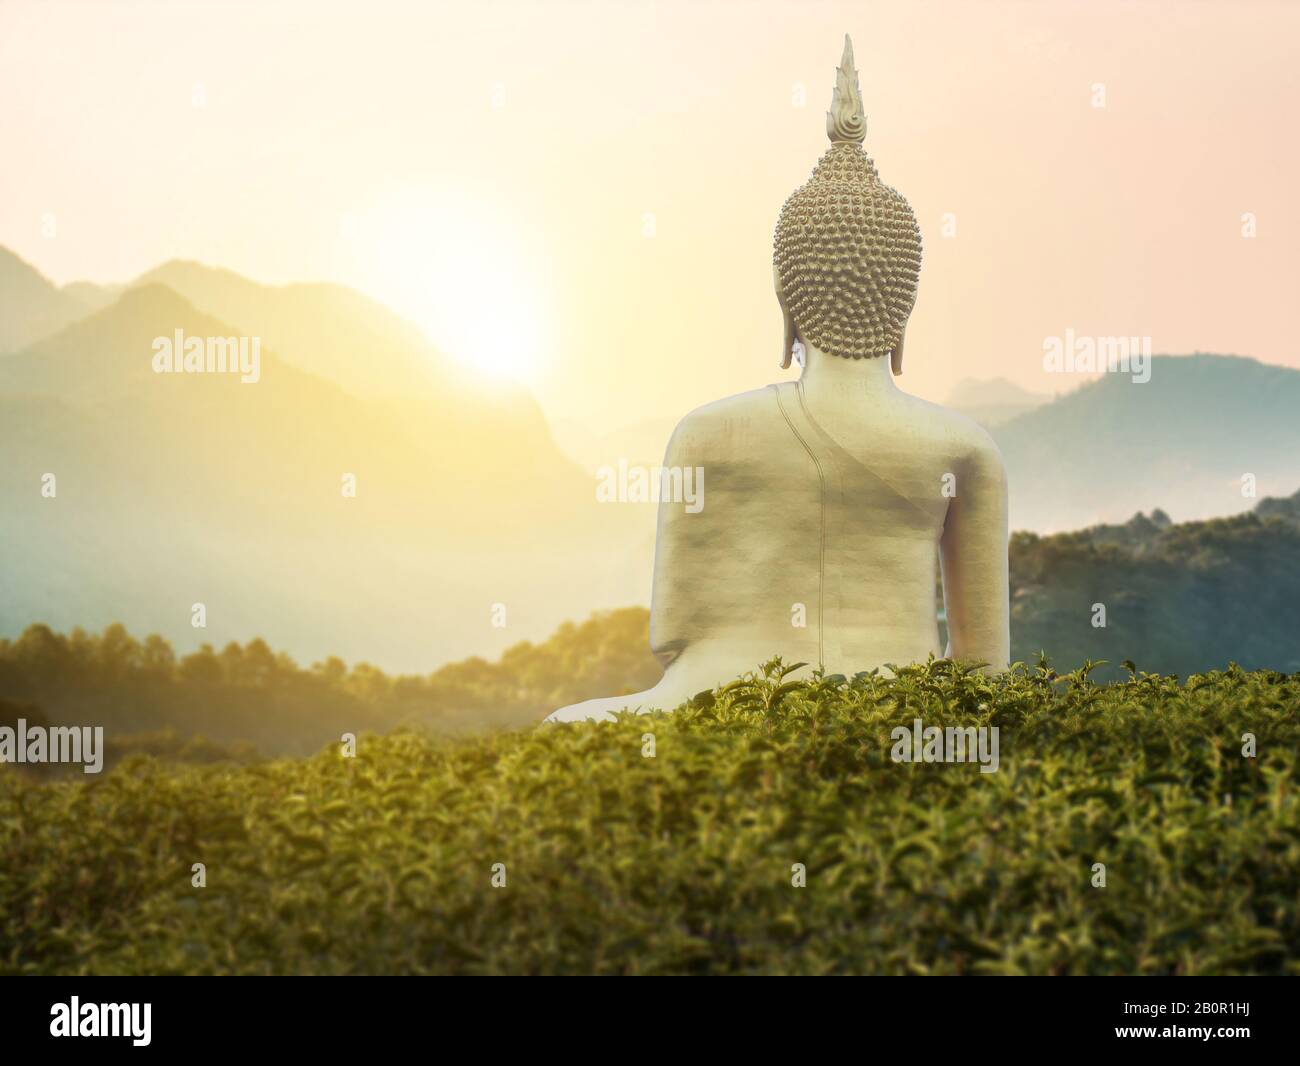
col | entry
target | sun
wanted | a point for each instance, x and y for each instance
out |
(460, 275)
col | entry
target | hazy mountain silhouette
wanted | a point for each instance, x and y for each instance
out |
(993, 401)
(93, 297)
(174, 489)
(326, 329)
(32, 306)
(1182, 441)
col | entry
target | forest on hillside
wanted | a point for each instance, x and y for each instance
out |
(247, 699)
(1178, 599)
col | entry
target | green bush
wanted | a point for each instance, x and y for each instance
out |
(682, 863)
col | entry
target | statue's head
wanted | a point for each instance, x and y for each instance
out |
(847, 249)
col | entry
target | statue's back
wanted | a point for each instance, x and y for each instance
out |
(818, 536)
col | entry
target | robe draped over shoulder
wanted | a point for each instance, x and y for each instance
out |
(783, 558)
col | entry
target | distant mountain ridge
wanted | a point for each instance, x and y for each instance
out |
(993, 401)
(319, 327)
(1206, 436)
(32, 306)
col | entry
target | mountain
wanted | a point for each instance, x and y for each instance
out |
(175, 489)
(1203, 437)
(93, 297)
(360, 345)
(325, 329)
(993, 401)
(32, 306)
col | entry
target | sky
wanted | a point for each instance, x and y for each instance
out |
(581, 196)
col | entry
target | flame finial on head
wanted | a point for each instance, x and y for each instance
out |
(845, 121)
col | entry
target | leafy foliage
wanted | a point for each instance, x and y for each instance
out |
(681, 863)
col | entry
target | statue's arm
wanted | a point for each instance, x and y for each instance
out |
(674, 559)
(973, 553)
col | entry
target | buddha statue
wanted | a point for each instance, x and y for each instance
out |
(829, 501)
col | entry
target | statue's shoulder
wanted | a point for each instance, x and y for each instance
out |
(757, 403)
(964, 437)
(734, 422)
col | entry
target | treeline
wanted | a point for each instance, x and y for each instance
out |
(1173, 599)
(249, 695)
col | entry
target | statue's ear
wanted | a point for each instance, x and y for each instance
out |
(896, 356)
(787, 345)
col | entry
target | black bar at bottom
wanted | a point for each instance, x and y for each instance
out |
(340, 1015)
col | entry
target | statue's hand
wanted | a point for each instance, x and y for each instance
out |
(603, 710)
(590, 711)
